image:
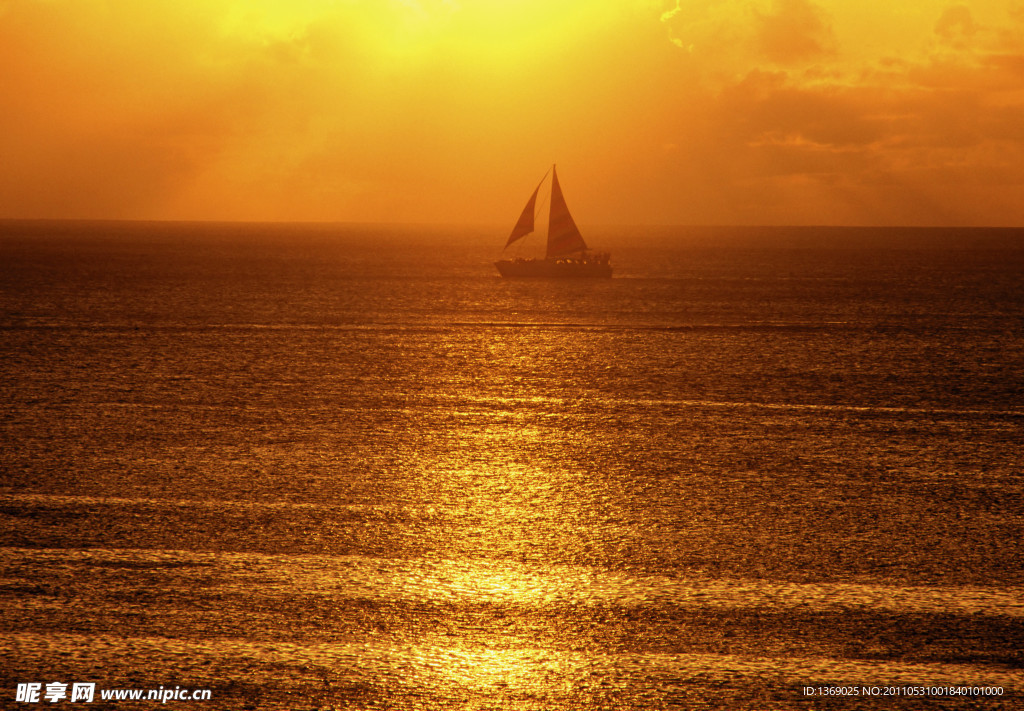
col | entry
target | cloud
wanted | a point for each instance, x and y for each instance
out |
(794, 31)
(815, 123)
(775, 110)
(956, 25)
(737, 32)
(126, 109)
(91, 125)
(709, 28)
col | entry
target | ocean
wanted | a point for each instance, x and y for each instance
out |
(348, 466)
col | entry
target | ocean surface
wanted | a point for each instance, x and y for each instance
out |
(348, 466)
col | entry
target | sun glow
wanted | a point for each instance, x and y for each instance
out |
(437, 110)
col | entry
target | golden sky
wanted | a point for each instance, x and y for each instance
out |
(663, 112)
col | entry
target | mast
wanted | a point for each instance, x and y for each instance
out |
(563, 235)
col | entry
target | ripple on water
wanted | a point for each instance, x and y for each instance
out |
(469, 582)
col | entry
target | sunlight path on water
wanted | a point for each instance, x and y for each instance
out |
(507, 583)
(439, 664)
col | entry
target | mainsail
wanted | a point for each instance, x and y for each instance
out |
(563, 235)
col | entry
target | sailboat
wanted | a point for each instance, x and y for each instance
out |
(567, 254)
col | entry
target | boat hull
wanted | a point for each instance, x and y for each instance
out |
(553, 269)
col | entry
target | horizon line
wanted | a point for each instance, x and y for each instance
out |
(489, 225)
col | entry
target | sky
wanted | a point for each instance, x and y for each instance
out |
(706, 112)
